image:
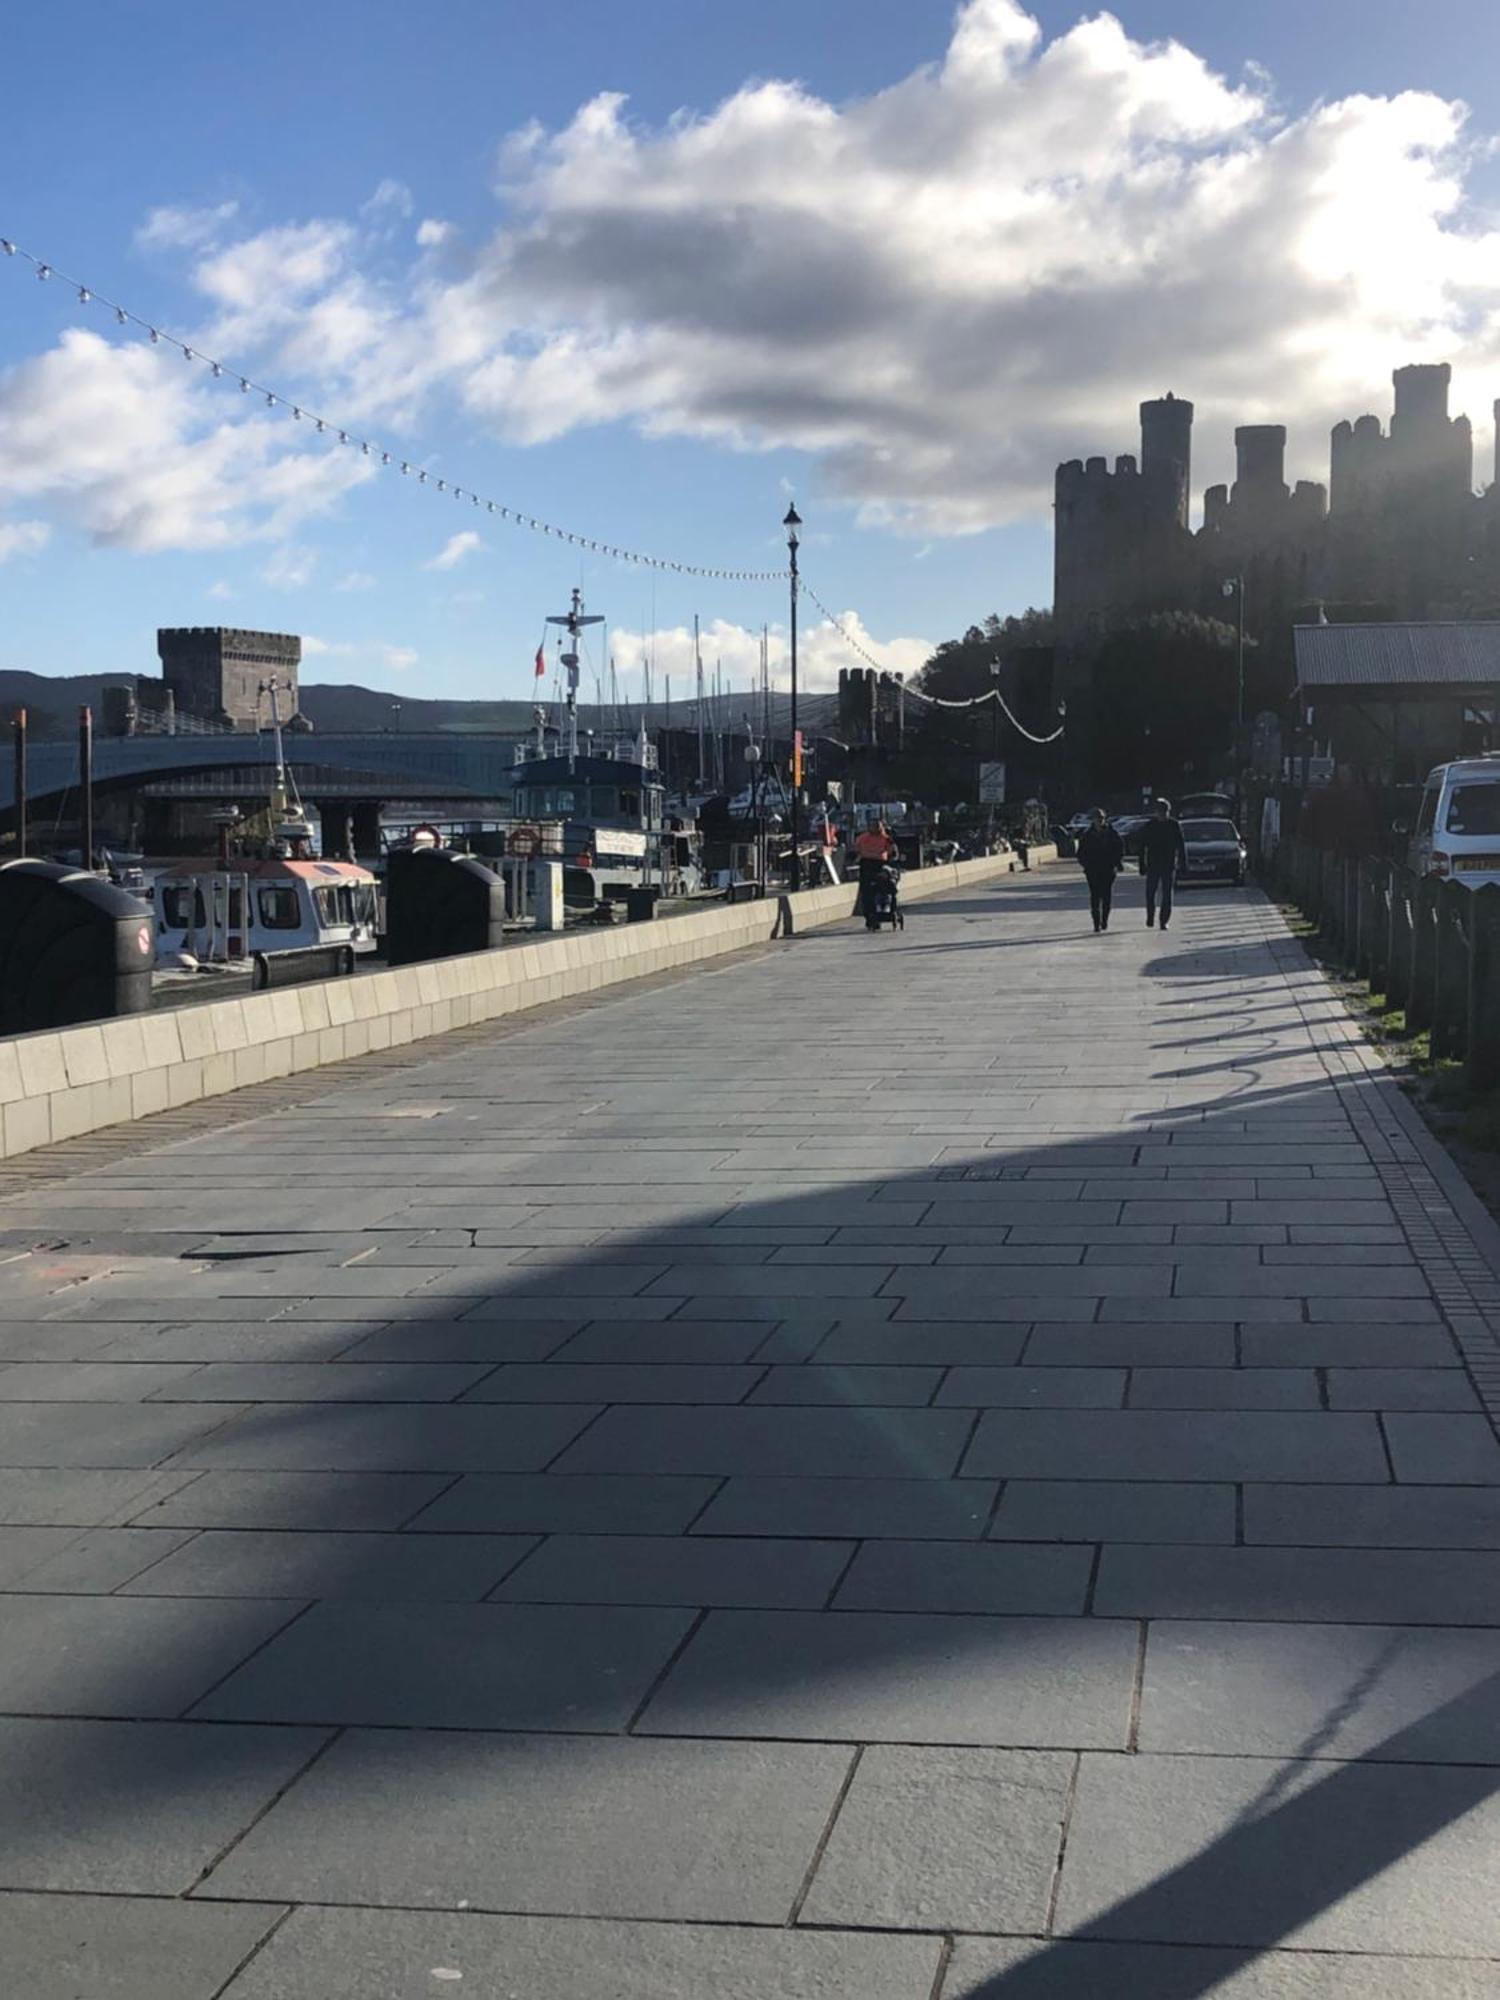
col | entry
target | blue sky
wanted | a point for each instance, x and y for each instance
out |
(901, 293)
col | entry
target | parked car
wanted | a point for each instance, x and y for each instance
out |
(1215, 851)
(1457, 832)
(1128, 826)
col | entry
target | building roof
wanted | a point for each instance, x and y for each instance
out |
(1431, 655)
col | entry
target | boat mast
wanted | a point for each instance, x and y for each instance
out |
(573, 622)
(698, 665)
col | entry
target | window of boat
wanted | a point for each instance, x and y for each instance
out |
(326, 904)
(177, 905)
(278, 908)
(1475, 808)
(362, 904)
(606, 802)
(630, 805)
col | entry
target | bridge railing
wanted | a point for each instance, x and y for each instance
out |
(1430, 948)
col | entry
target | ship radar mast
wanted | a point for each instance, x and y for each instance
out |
(573, 622)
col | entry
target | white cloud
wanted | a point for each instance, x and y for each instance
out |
(399, 658)
(431, 233)
(453, 551)
(314, 648)
(185, 228)
(22, 538)
(935, 291)
(735, 649)
(219, 589)
(391, 198)
(356, 579)
(144, 453)
(290, 567)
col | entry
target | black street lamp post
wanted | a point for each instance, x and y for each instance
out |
(792, 523)
(1234, 586)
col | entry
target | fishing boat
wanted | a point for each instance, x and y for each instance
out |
(266, 891)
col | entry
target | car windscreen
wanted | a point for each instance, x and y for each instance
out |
(1209, 829)
(1475, 808)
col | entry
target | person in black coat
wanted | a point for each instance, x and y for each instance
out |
(1163, 853)
(1101, 855)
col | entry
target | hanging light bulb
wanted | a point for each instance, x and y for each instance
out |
(270, 400)
(385, 459)
(244, 386)
(187, 354)
(84, 295)
(7, 246)
(121, 315)
(321, 427)
(155, 336)
(218, 371)
(44, 270)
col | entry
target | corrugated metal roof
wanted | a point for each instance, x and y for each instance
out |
(1426, 655)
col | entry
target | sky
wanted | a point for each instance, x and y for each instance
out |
(647, 272)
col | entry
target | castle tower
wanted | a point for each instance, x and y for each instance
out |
(1167, 451)
(215, 672)
(1260, 474)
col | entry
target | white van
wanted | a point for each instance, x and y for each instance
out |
(1458, 823)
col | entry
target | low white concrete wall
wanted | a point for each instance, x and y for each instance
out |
(57, 1084)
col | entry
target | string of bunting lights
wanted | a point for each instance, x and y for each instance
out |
(342, 435)
(916, 694)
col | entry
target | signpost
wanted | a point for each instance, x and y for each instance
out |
(992, 784)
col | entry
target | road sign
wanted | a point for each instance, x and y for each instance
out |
(523, 840)
(992, 784)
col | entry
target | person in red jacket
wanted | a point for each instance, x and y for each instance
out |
(873, 849)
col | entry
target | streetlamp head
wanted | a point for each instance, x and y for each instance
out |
(1229, 586)
(792, 523)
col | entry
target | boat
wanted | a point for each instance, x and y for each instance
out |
(601, 809)
(266, 891)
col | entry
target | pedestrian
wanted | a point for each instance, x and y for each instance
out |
(1021, 842)
(1163, 852)
(873, 849)
(1101, 855)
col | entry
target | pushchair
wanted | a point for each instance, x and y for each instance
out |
(883, 900)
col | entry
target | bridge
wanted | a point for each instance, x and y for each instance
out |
(394, 764)
(669, 1496)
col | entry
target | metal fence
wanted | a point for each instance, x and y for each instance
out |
(1429, 947)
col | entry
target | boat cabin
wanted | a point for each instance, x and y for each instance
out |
(218, 914)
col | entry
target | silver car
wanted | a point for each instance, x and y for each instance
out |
(1215, 852)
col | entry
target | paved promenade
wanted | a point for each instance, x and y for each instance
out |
(945, 1466)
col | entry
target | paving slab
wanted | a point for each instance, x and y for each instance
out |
(1377, 1517)
(1227, 1389)
(1062, 1510)
(94, 1655)
(376, 1568)
(965, 1576)
(409, 1955)
(903, 1443)
(1443, 1450)
(323, 1437)
(125, 1947)
(866, 1677)
(1178, 1445)
(1388, 1692)
(134, 1808)
(74, 1497)
(452, 1666)
(588, 1826)
(1034, 1388)
(689, 1570)
(907, 1509)
(1374, 1857)
(1062, 1969)
(930, 1839)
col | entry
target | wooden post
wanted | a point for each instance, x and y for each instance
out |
(1483, 1063)
(1400, 938)
(1419, 1005)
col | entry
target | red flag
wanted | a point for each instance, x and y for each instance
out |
(541, 664)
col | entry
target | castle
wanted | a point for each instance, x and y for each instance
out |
(1398, 532)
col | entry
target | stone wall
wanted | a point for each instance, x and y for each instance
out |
(58, 1084)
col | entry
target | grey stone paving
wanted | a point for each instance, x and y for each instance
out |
(693, 1499)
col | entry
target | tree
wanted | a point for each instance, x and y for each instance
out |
(960, 668)
(1163, 702)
